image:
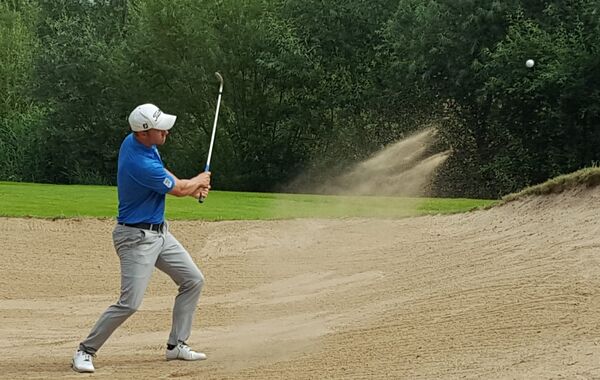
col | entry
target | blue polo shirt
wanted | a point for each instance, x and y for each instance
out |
(142, 183)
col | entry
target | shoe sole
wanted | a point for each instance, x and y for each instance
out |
(80, 371)
(187, 360)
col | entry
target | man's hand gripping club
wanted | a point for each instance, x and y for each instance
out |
(196, 187)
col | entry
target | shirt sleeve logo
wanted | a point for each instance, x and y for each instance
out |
(168, 183)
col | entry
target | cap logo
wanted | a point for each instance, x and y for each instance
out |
(145, 125)
(157, 114)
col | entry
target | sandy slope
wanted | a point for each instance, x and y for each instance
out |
(511, 292)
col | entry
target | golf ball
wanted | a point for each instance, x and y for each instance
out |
(529, 63)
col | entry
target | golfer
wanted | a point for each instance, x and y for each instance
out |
(142, 238)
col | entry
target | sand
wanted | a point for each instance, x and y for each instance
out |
(404, 168)
(506, 293)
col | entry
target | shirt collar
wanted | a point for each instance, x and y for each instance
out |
(141, 146)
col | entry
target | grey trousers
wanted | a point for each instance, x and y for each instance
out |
(139, 252)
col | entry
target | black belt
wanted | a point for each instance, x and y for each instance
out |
(145, 226)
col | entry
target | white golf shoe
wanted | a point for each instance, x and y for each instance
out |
(183, 352)
(82, 362)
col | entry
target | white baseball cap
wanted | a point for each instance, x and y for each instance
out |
(148, 116)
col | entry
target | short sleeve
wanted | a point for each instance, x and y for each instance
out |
(155, 177)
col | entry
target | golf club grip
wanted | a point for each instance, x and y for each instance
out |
(202, 198)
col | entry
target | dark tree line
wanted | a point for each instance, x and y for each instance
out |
(311, 86)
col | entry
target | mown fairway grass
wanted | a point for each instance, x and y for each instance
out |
(77, 201)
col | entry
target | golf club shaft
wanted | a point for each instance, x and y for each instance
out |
(214, 129)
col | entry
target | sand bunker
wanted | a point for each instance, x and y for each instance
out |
(506, 293)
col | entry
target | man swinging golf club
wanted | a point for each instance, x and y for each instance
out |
(142, 238)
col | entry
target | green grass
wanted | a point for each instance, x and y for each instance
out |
(77, 201)
(586, 177)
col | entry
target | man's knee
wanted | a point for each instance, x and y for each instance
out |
(127, 309)
(129, 303)
(199, 280)
(195, 282)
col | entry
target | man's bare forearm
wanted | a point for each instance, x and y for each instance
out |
(192, 186)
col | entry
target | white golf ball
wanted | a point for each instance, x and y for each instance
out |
(529, 63)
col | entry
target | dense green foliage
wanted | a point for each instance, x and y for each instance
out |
(310, 87)
(68, 201)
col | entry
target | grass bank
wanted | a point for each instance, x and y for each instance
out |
(586, 177)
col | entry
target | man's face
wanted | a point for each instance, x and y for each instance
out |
(155, 136)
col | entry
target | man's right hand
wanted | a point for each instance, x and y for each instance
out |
(193, 186)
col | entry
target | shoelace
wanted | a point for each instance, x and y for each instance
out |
(183, 346)
(87, 357)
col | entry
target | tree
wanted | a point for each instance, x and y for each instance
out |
(507, 126)
(18, 43)
(549, 113)
(79, 73)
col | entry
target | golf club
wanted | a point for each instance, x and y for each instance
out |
(214, 130)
